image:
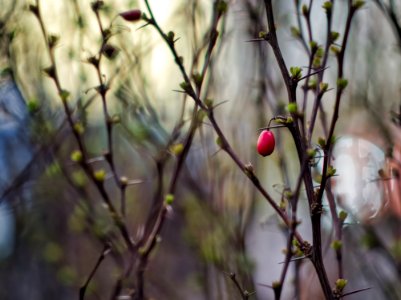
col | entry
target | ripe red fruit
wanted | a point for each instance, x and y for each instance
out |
(266, 143)
(132, 15)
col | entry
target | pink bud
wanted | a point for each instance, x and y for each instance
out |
(266, 143)
(131, 15)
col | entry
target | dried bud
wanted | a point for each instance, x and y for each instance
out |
(132, 15)
(34, 9)
(110, 51)
(96, 5)
(52, 40)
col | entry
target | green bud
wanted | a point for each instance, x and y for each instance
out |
(321, 141)
(341, 283)
(358, 4)
(342, 215)
(331, 171)
(249, 170)
(305, 10)
(115, 119)
(319, 52)
(312, 84)
(316, 62)
(336, 245)
(170, 36)
(100, 175)
(222, 7)
(334, 35)
(323, 86)
(327, 6)
(263, 34)
(177, 149)
(336, 50)
(201, 115)
(296, 72)
(342, 83)
(313, 45)
(311, 153)
(283, 204)
(185, 86)
(79, 128)
(292, 108)
(276, 284)
(289, 120)
(209, 102)
(169, 199)
(294, 31)
(288, 194)
(32, 106)
(219, 142)
(76, 156)
(64, 95)
(197, 78)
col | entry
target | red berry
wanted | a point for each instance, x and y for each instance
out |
(266, 143)
(131, 15)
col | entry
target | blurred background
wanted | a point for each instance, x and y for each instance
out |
(52, 220)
